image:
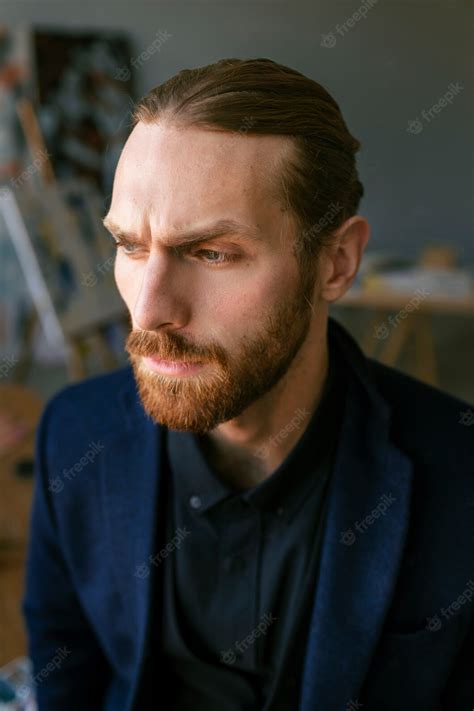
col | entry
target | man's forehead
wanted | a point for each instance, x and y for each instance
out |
(179, 187)
(159, 144)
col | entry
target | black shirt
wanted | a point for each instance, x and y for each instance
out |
(236, 589)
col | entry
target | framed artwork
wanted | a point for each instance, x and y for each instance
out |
(84, 101)
(15, 82)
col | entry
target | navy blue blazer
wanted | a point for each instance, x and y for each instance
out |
(392, 625)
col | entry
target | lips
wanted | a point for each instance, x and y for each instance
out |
(156, 359)
(164, 361)
(176, 367)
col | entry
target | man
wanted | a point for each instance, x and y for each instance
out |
(265, 518)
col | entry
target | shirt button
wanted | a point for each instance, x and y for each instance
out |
(195, 502)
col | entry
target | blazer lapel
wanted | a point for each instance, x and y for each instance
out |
(130, 476)
(360, 556)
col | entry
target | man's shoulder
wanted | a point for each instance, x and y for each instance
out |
(408, 393)
(424, 418)
(95, 389)
(418, 410)
(94, 402)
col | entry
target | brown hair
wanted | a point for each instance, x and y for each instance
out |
(318, 183)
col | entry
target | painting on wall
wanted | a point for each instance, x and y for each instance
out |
(57, 261)
(85, 96)
(15, 82)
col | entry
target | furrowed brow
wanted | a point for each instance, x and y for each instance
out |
(185, 238)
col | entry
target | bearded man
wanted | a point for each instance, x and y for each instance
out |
(273, 520)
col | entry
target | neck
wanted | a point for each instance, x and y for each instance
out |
(249, 448)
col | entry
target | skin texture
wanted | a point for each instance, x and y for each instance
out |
(258, 327)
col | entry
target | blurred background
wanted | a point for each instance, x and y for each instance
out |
(401, 71)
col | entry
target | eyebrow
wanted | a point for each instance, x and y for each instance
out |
(186, 238)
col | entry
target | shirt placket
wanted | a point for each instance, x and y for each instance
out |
(239, 570)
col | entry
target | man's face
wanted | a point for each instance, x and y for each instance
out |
(234, 305)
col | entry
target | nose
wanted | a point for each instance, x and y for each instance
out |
(161, 296)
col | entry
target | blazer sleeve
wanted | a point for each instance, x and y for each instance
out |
(69, 668)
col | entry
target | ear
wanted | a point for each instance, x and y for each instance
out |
(340, 261)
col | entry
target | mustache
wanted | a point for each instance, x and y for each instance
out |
(167, 347)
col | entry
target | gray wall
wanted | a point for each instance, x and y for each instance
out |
(384, 71)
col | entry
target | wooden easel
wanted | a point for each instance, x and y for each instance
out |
(79, 349)
(80, 345)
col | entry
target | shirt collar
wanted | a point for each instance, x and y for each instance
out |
(307, 464)
(288, 486)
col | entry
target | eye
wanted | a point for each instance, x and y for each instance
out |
(126, 247)
(217, 257)
(211, 257)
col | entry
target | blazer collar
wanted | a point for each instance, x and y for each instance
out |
(366, 525)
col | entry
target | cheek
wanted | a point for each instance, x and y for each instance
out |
(270, 286)
(240, 305)
(127, 279)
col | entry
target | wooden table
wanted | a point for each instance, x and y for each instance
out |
(393, 335)
(15, 503)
